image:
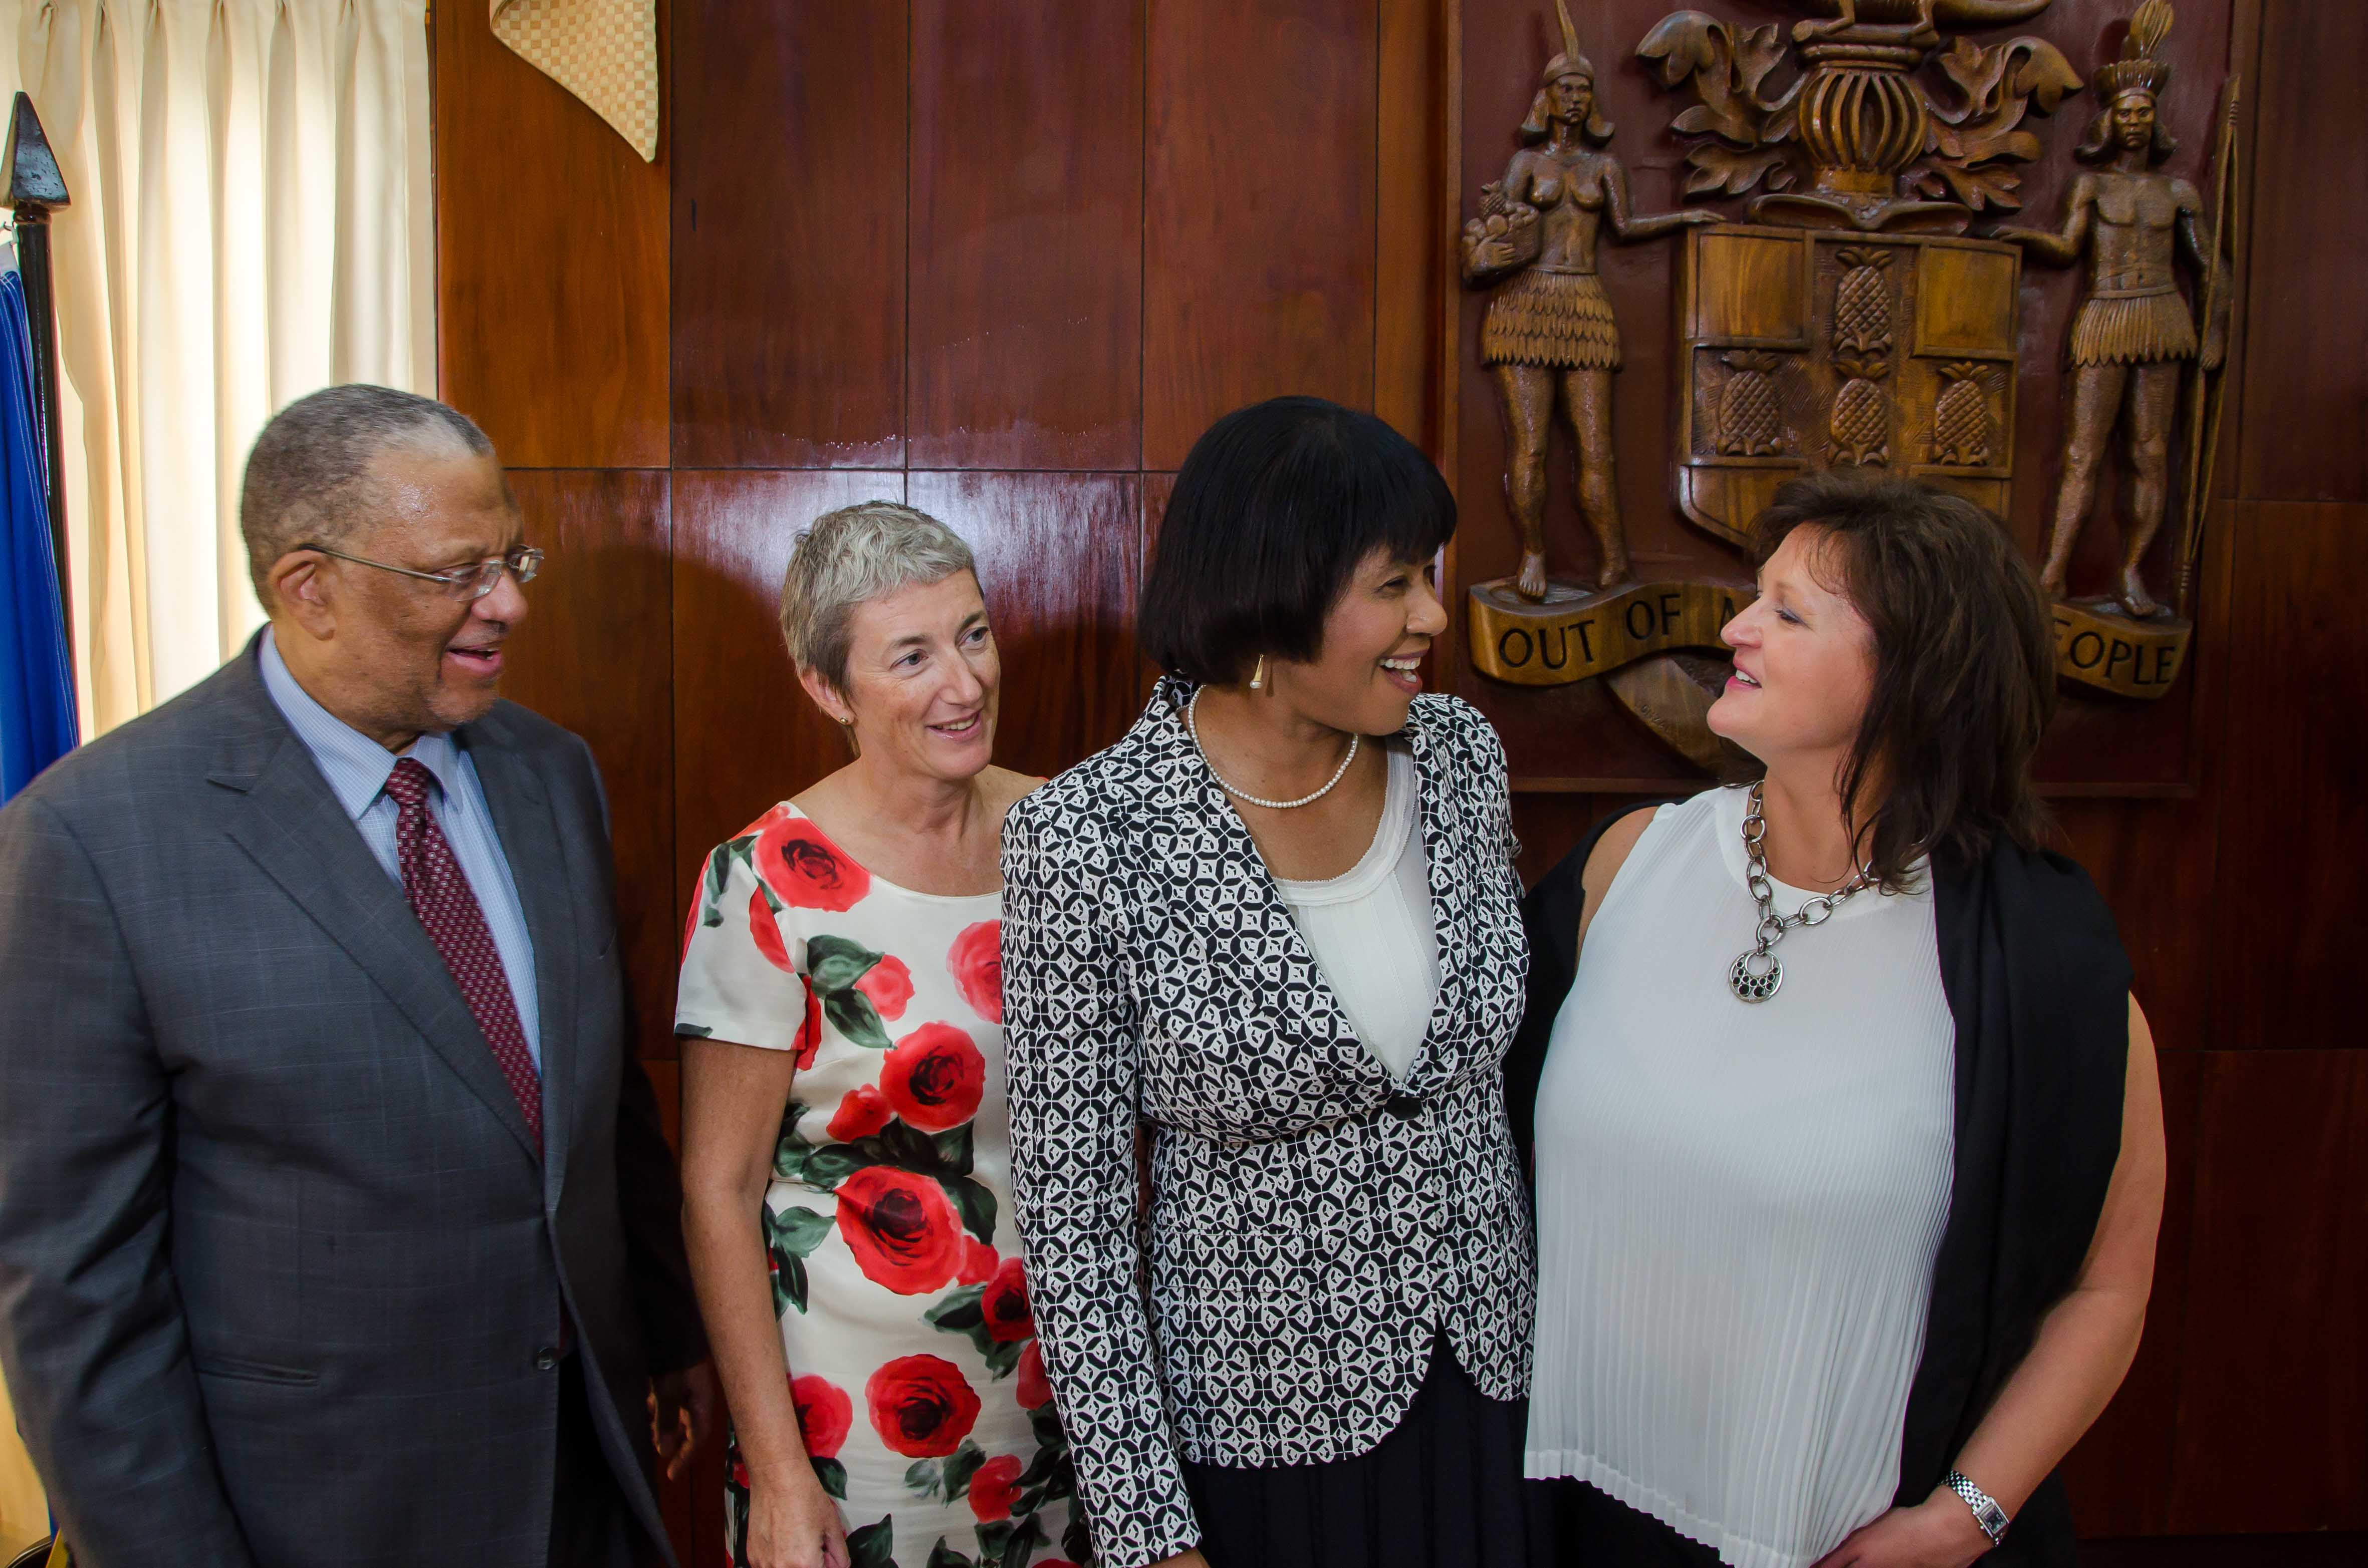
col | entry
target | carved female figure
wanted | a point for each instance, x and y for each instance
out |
(1550, 334)
(2133, 331)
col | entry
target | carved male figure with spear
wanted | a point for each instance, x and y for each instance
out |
(2133, 331)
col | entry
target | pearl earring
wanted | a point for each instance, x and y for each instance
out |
(1257, 675)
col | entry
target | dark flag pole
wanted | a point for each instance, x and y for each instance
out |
(35, 189)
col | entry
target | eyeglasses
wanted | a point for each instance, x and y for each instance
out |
(466, 584)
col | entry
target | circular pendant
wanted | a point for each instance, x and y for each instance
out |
(1751, 984)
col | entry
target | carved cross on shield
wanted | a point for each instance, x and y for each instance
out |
(1809, 348)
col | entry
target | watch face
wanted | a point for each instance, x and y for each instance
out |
(1992, 1518)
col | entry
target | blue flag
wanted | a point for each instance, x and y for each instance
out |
(37, 701)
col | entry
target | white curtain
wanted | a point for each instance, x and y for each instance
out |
(251, 221)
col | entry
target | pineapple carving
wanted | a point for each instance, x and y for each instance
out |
(1961, 419)
(1863, 302)
(1750, 421)
(1860, 419)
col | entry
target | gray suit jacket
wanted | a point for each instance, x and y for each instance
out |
(280, 1273)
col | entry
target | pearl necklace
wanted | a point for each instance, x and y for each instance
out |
(1192, 728)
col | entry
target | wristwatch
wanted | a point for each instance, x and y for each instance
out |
(1986, 1513)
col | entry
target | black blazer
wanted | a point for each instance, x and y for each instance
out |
(280, 1268)
(2038, 984)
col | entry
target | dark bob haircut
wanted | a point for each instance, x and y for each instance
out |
(1965, 663)
(1274, 508)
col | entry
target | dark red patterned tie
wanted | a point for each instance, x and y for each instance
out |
(455, 921)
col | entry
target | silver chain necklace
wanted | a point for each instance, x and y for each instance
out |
(1755, 975)
(1192, 727)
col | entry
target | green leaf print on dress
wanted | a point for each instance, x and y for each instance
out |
(834, 964)
(790, 1237)
(719, 874)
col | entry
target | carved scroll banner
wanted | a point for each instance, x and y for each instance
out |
(1573, 636)
(2099, 644)
(1808, 348)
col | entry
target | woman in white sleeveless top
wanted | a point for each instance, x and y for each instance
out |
(1849, 1146)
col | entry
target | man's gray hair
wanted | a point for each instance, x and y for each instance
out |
(851, 555)
(308, 478)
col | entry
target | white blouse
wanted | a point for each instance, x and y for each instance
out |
(1372, 930)
(1739, 1205)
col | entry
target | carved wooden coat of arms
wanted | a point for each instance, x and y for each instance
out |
(1864, 310)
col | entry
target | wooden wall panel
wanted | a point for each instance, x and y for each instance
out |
(2157, 864)
(2274, 1417)
(1067, 636)
(1027, 236)
(1155, 491)
(1259, 210)
(2305, 411)
(2348, 1548)
(1412, 274)
(2289, 926)
(744, 734)
(788, 234)
(605, 586)
(551, 252)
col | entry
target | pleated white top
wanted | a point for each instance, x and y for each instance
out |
(1371, 931)
(1739, 1205)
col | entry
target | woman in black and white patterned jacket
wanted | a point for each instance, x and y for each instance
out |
(1278, 925)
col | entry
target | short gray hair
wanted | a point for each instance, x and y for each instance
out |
(308, 477)
(851, 555)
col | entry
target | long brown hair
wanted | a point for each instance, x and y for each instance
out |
(1964, 664)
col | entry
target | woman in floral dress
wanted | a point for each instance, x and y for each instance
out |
(846, 1149)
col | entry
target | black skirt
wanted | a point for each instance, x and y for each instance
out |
(1599, 1531)
(1443, 1490)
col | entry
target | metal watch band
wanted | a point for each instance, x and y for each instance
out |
(1986, 1513)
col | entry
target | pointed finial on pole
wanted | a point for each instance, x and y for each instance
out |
(33, 177)
(35, 186)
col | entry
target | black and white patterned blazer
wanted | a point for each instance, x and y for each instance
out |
(1312, 1225)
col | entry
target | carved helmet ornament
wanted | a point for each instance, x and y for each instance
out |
(1859, 140)
(1925, 13)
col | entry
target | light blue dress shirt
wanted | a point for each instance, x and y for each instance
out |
(358, 768)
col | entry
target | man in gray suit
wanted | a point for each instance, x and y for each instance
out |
(335, 1222)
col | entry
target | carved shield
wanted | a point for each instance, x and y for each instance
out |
(1809, 348)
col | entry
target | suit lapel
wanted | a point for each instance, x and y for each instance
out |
(1434, 1065)
(1260, 900)
(293, 827)
(538, 862)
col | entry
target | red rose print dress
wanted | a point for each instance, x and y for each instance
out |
(896, 1270)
